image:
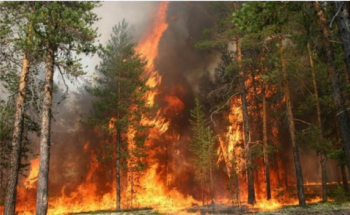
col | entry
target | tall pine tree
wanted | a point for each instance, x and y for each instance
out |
(202, 145)
(120, 101)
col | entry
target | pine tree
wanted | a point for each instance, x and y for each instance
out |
(17, 40)
(338, 98)
(64, 29)
(120, 101)
(343, 21)
(272, 14)
(224, 33)
(202, 146)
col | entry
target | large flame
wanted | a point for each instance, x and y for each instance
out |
(153, 192)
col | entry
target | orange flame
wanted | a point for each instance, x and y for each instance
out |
(33, 174)
(154, 193)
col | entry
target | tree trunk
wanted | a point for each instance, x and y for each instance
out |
(17, 136)
(266, 155)
(238, 200)
(343, 23)
(117, 168)
(211, 187)
(202, 194)
(265, 140)
(290, 118)
(117, 160)
(251, 190)
(42, 190)
(132, 189)
(339, 102)
(344, 178)
(323, 158)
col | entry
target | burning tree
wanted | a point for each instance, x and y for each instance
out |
(121, 103)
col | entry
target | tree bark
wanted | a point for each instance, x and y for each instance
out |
(251, 190)
(42, 190)
(202, 184)
(265, 140)
(343, 23)
(344, 178)
(117, 160)
(211, 179)
(322, 156)
(237, 191)
(17, 136)
(117, 166)
(339, 102)
(290, 118)
(266, 155)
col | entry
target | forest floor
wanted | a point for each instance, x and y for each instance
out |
(313, 209)
(329, 208)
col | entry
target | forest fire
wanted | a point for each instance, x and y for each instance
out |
(169, 183)
(153, 193)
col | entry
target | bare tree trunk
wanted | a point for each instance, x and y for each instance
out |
(132, 188)
(290, 118)
(17, 136)
(211, 183)
(339, 102)
(251, 190)
(323, 158)
(344, 178)
(265, 141)
(42, 190)
(237, 189)
(343, 23)
(202, 194)
(1, 175)
(266, 155)
(117, 168)
(117, 160)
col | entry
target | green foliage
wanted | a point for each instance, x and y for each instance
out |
(255, 16)
(33, 27)
(119, 93)
(339, 195)
(338, 155)
(312, 136)
(202, 144)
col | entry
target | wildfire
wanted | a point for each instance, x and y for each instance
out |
(152, 190)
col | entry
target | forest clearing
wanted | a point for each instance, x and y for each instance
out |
(174, 107)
